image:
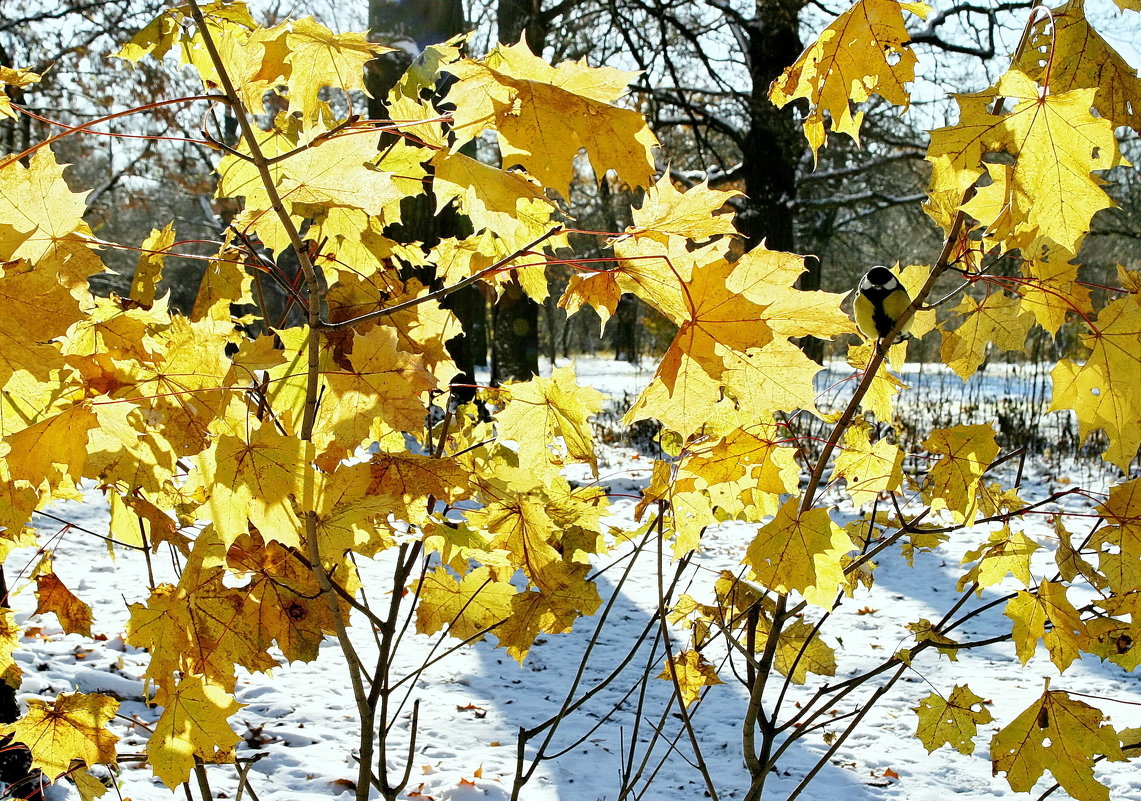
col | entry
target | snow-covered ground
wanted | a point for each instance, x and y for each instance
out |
(301, 719)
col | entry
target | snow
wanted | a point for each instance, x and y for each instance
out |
(300, 722)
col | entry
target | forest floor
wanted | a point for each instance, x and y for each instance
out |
(300, 721)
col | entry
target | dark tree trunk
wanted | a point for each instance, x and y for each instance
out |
(518, 17)
(626, 329)
(774, 143)
(515, 337)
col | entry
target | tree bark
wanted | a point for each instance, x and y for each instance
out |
(774, 143)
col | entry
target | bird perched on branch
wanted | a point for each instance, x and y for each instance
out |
(880, 301)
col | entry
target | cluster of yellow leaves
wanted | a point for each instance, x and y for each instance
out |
(864, 51)
(194, 429)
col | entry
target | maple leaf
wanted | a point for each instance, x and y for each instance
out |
(798, 551)
(183, 388)
(248, 475)
(10, 672)
(73, 726)
(599, 290)
(148, 272)
(543, 115)
(743, 473)
(864, 51)
(952, 721)
(384, 390)
(1005, 552)
(14, 77)
(201, 626)
(192, 725)
(998, 320)
(692, 214)
(282, 598)
(692, 672)
(733, 322)
(1101, 391)
(880, 397)
(52, 596)
(1066, 50)
(926, 631)
(543, 409)
(318, 57)
(800, 651)
(1055, 291)
(1047, 606)
(52, 450)
(1050, 191)
(37, 310)
(868, 468)
(965, 454)
(514, 207)
(1118, 542)
(1061, 735)
(37, 208)
(467, 606)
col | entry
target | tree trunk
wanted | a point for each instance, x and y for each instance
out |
(774, 143)
(515, 337)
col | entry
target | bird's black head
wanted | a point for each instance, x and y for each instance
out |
(879, 278)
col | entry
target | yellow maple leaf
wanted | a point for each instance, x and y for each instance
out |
(1059, 734)
(1005, 552)
(926, 631)
(318, 57)
(37, 208)
(880, 397)
(282, 598)
(52, 596)
(1067, 51)
(183, 387)
(1049, 192)
(382, 389)
(37, 309)
(1118, 542)
(600, 290)
(1101, 391)
(952, 721)
(998, 320)
(1032, 612)
(1054, 291)
(965, 453)
(543, 115)
(403, 480)
(543, 409)
(73, 726)
(53, 450)
(692, 672)
(800, 650)
(509, 204)
(743, 473)
(201, 626)
(14, 77)
(692, 213)
(864, 51)
(10, 632)
(799, 551)
(867, 467)
(467, 605)
(148, 272)
(248, 475)
(192, 725)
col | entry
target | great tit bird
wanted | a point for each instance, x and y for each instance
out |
(880, 301)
